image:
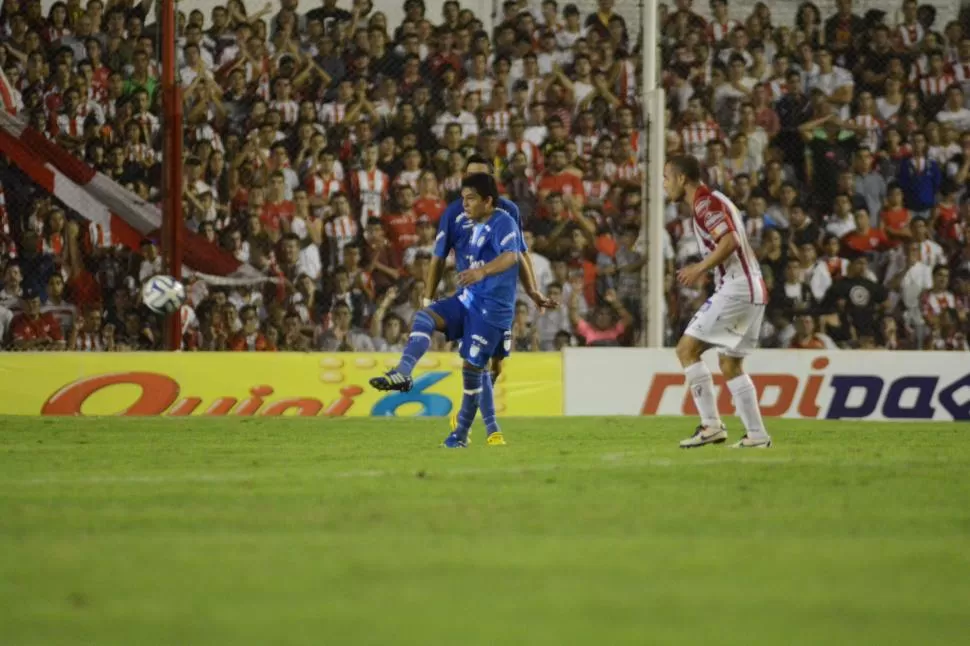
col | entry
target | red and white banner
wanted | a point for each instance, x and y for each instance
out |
(123, 216)
(840, 384)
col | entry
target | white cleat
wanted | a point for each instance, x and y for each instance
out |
(705, 435)
(757, 442)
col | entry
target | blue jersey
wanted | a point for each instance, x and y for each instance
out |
(493, 298)
(455, 229)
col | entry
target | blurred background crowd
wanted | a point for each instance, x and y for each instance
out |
(322, 147)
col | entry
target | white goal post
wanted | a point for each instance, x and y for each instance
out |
(652, 202)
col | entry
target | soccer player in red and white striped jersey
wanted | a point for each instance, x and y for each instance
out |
(731, 319)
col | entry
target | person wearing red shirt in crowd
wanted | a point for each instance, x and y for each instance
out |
(557, 179)
(380, 259)
(429, 203)
(895, 217)
(277, 209)
(31, 330)
(402, 225)
(250, 339)
(806, 338)
(865, 239)
(946, 213)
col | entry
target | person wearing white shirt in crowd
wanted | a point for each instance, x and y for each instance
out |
(455, 114)
(953, 111)
(836, 82)
(151, 263)
(56, 305)
(842, 221)
(815, 273)
(551, 321)
(536, 130)
(6, 316)
(738, 86)
(12, 290)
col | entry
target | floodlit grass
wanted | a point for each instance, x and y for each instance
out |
(581, 531)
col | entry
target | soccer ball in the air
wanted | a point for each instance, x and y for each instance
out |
(163, 294)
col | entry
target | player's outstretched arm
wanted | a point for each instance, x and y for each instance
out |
(527, 274)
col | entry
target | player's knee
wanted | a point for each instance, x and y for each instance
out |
(496, 369)
(471, 367)
(688, 351)
(731, 367)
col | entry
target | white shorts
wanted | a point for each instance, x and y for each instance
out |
(731, 325)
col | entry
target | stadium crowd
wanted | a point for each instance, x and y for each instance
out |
(323, 147)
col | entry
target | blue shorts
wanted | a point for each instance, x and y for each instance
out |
(478, 341)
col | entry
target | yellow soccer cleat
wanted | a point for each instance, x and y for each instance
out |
(496, 439)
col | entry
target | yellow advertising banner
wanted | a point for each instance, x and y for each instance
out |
(264, 384)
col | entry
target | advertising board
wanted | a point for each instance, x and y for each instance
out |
(856, 384)
(264, 384)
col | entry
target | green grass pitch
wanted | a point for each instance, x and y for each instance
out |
(581, 531)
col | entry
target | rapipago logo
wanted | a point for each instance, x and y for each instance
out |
(161, 395)
(826, 394)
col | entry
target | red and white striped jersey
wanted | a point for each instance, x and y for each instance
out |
(141, 154)
(696, 135)
(87, 342)
(289, 110)
(332, 113)
(935, 303)
(635, 141)
(498, 121)
(628, 171)
(874, 127)
(342, 230)
(716, 32)
(626, 83)
(715, 216)
(910, 36)
(596, 190)
(319, 186)
(920, 68)
(68, 125)
(961, 71)
(371, 188)
(531, 151)
(935, 85)
(585, 145)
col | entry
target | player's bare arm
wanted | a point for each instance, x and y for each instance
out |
(690, 274)
(527, 274)
(435, 270)
(497, 266)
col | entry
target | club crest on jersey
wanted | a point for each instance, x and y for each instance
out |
(473, 351)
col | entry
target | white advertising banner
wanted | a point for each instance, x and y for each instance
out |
(841, 384)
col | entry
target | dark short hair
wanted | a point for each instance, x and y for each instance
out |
(483, 184)
(476, 158)
(688, 166)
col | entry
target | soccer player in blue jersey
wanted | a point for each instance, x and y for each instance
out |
(485, 304)
(454, 233)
